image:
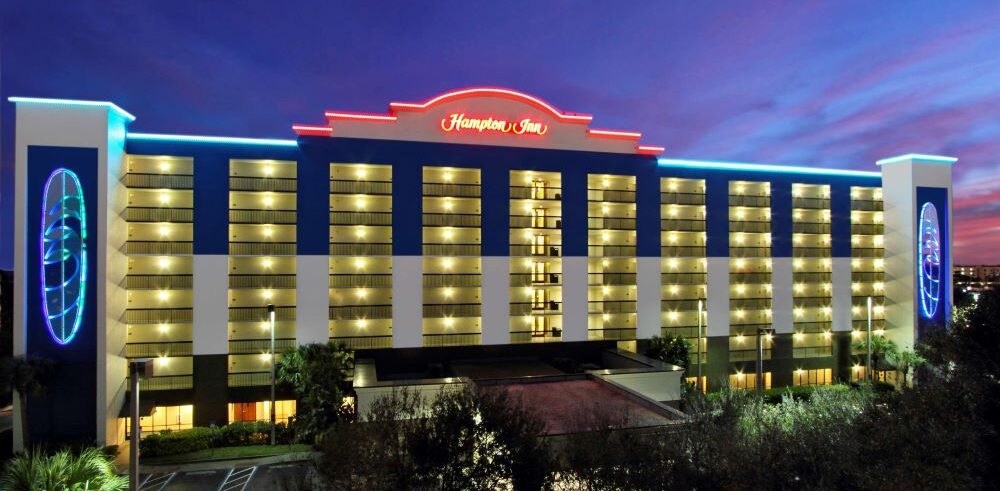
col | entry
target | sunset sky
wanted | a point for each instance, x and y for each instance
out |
(833, 84)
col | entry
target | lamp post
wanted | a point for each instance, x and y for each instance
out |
(270, 314)
(761, 332)
(137, 369)
(698, 383)
(868, 365)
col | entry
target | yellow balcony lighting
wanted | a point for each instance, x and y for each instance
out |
(855, 217)
(673, 316)
(606, 317)
(672, 186)
(449, 322)
(448, 292)
(672, 263)
(796, 193)
(827, 287)
(447, 262)
(360, 172)
(674, 289)
(855, 263)
(768, 287)
(605, 290)
(856, 367)
(528, 319)
(605, 183)
(799, 371)
(605, 237)
(855, 194)
(741, 289)
(827, 334)
(855, 333)
(164, 166)
(361, 293)
(740, 214)
(879, 263)
(268, 231)
(164, 197)
(855, 287)
(268, 294)
(855, 310)
(799, 336)
(799, 288)
(450, 205)
(826, 215)
(797, 263)
(265, 357)
(797, 215)
(879, 240)
(530, 263)
(672, 211)
(826, 239)
(878, 217)
(880, 332)
(164, 230)
(268, 200)
(605, 209)
(163, 262)
(799, 311)
(359, 263)
(826, 311)
(855, 239)
(264, 326)
(740, 314)
(740, 338)
(878, 310)
(741, 263)
(768, 337)
(605, 263)
(797, 239)
(163, 295)
(879, 285)
(877, 194)
(740, 239)
(266, 263)
(162, 360)
(672, 238)
(361, 323)
(359, 231)
(359, 203)
(163, 328)
(739, 375)
(740, 189)
(827, 263)
(448, 234)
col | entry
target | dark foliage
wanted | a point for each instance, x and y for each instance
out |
(669, 348)
(317, 373)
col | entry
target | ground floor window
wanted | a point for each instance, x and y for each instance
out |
(261, 411)
(859, 374)
(821, 376)
(694, 382)
(164, 418)
(740, 380)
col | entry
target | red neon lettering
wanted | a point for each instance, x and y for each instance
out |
(457, 122)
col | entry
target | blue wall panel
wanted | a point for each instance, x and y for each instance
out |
(781, 219)
(312, 219)
(496, 211)
(647, 223)
(840, 220)
(717, 216)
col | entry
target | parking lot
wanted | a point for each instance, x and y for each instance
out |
(287, 476)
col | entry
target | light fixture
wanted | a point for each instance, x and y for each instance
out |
(448, 233)
(362, 323)
(448, 292)
(268, 200)
(447, 262)
(164, 230)
(268, 170)
(163, 328)
(164, 197)
(359, 203)
(268, 231)
(361, 292)
(268, 294)
(163, 295)
(266, 262)
(359, 263)
(163, 262)
(449, 322)
(360, 231)
(164, 166)
(360, 172)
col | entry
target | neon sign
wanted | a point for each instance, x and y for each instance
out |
(63, 244)
(458, 122)
(929, 255)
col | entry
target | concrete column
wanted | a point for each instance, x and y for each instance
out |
(648, 284)
(574, 279)
(781, 294)
(841, 284)
(312, 299)
(717, 303)
(496, 300)
(210, 330)
(407, 301)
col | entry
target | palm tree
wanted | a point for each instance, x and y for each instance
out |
(905, 361)
(26, 376)
(89, 470)
(882, 349)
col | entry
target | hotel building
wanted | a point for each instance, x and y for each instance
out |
(482, 216)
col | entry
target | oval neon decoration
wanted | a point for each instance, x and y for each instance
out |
(929, 268)
(63, 244)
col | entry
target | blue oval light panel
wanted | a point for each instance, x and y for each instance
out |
(63, 242)
(929, 268)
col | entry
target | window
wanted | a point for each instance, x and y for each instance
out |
(539, 244)
(538, 217)
(539, 272)
(537, 189)
(821, 376)
(742, 380)
(164, 418)
(261, 411)
(539, 299)
(539, 325)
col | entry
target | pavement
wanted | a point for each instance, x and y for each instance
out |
(288, 476)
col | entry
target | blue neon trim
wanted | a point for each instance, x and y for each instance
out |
(937, 159)
(787, 169)
(929, 235)
(274, 142)
(72, 102)
(61, 255)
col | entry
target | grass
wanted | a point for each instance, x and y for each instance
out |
(223, 453)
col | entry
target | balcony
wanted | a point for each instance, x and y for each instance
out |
(748, 226)
(612, 334)
(158, 282)
(811, 203)
(241, 281)
(452, 280)
(748, 354)
(683, 278)
(158, 181)
(611, 307)
(528, 221)
(151, 214)
(867, 229)
(452, 190)
(537, 193)
(158, 247)
(250, 379)
(165, 382)
(363, 342)
(682, 251)
(671, 198)
(285, 217)
(354, 312)
(866, 205)
(680, 305)
(811, 277)
(360, 281)
(609, 195)
(610, 279)
(812, 351)
(274, 184)
(158, 316)
(369, 218)
(867, 277)
(360, 249)
(749, 303)
(750, 201)
(610, 251)
(257, 346)
(534, 250)
(550, 335)
(610, 223)
(262, 248)
(750, 278)
(452, 249)
(867, 252)
(435, 311)
(530, 279)
(810, 228)
(360, 187)
(682, 225)
(154, 350)
(533, 308)
(433, 340)
(452, 220)
(258, 314)
(812, 302)
(811, 252)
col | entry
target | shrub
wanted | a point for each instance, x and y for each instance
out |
(176, 442)
(35, 470)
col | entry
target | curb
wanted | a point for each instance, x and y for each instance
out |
(224, 463)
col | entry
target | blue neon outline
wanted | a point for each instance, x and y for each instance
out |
(274, 142)
(924, 294)
(743, 166)
(81, 297)
(74, 102)
(936, 159)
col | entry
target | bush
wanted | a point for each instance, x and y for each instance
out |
(35, 470)
(232, 435)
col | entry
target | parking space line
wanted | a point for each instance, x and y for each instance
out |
(237, 480)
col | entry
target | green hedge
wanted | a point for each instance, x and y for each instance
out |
(200, 438)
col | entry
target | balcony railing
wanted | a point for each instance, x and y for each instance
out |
(612, 334)
(532, 308)
(672, 198)
(153, 350)
(360, 281)
(738, 251)
(811, 203)
(533, 250)
(610, 278)
(811, 277)
(750, 201)
(257, 314)
(370, 218)
(610, 223)
(748, 354)
(158, 281)
(452, 249)
(680, 305)
(262, 248)
(611, 307)
(154, 214)
(274, 184)
(459, 280)
(812, 351)
(866, 205)
(457, 190)
(750, 226)
(250, 379)
(682, 225)
(257, 346)
(286, 217)
(682, 251)
(528, 279)
(750, 278)
(432, 340)
(550, 335)
(812, 302)
(684, 278)
(158, 181)
(611, 195)
(539, 193)
(238, 281)
(360, 187)
(867, 277)
(434, 311)
(354, 312)
(867, 252)
(610, 251)
(158, 316)
(165, 382)
(158, 247)
(749, 303)
(363, 342)
(528, 221)
(867, 229)
(810, 228)
(360, 249)
(452, 220)
(811, 252)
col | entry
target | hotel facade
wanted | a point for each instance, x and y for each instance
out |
(482, 216)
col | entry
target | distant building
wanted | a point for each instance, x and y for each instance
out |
(977, 278)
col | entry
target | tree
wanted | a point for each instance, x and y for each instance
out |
(905, 361)
(317, 373)
(669, 348)
(27, 377)
(883, 349)
(36, 471)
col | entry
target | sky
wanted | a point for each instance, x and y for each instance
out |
(835, 84)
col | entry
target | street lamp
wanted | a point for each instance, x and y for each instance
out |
(698, 382)
(137, 369)
(270, 314)
(761, 332)
(868, 365)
